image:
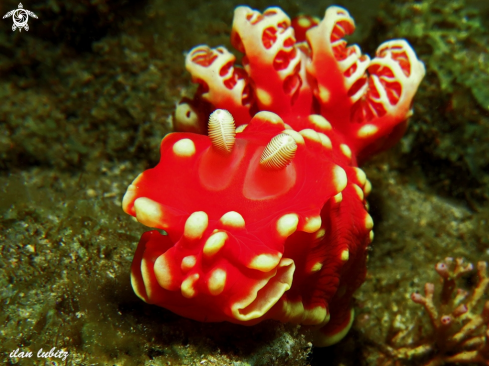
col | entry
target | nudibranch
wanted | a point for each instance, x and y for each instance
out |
(265, 216)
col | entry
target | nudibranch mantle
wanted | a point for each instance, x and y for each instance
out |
(269, 220)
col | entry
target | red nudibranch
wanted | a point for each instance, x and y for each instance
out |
(269, 220)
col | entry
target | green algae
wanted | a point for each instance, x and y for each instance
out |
(449, 137)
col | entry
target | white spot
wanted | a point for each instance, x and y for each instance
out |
(187, 287)
(241, 128)
(324, 94)
(195, 225)
(345, 255)
(232, 219)
(320, 122)
(265, 262)
(188, 263)
(163, 274)
(339, 178)
(148, 212)
(215, 243)
(184, 148)
(295, 135)
(130, 194)
(304, 22)
(367, 188)
(287, 224)
(217, 281)
(345, 149)
(310, 134)
(320, 234)
(369, 223)
(269, 117)
(359, 191)
(361, 176)
(325, 141)
(367, 131)
(312, 224)
(264, 97)
(317, 267)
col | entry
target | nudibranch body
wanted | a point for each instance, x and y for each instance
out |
(269, 220)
